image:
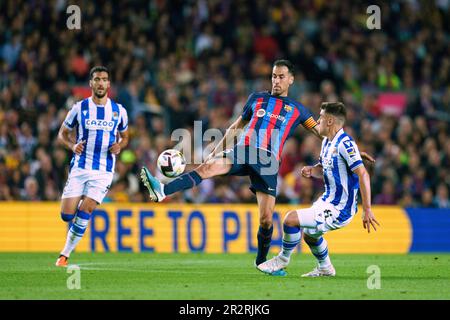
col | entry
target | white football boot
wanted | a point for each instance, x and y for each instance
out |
(321, 272)
(273, 265)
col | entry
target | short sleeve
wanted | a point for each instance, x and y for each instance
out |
(123, 124)
(349, 151)
(307, 118)
(71, 119)
(247, 113)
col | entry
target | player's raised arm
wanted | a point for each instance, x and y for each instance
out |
(314, 131)
(230, 133)
(235, 127)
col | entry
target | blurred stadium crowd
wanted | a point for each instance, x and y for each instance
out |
(173, 62)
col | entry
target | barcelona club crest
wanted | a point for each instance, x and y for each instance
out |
(287, 108)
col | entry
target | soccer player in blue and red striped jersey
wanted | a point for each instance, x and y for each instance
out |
(267, 121)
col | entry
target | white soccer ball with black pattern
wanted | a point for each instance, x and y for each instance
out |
(171, 163)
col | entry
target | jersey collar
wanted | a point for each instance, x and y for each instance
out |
(99, 105)
(338, 134)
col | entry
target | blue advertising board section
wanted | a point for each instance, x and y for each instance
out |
(431, 229)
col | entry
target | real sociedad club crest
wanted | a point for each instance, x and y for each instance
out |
(115, 115)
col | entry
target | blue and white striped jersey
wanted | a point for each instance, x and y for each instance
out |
(339, 158)
(98, 125)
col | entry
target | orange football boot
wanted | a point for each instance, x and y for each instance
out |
(62, 261)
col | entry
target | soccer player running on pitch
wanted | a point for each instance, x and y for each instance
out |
(98, 120)
(341, 167)
(269, 119)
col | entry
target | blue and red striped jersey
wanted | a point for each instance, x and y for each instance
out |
(272, 120)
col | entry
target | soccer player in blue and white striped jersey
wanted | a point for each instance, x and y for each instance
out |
(343, 172)
(101, 127)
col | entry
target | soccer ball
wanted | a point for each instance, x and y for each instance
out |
(171, 163)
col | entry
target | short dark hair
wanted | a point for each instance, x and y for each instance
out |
(98, 69)
(285, 63)
(336, 109)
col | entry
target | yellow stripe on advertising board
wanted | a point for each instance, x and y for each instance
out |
(393, 236)
(208, 228)
(31, 226)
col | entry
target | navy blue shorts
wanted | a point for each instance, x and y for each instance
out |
(259, 164)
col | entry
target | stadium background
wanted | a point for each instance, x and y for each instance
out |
(173, 62)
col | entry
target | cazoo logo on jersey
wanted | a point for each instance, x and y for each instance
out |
(94, 124)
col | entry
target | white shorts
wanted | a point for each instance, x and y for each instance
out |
(90, 183)
(320, 218)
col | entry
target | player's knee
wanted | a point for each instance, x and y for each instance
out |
(291, 219)
(88, 206)
(309, 240)
(67, 216)
(88, 209)
(265, 221)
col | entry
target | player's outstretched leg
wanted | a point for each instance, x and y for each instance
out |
(291, 238)
(76, 230)
(158, 191)
(319, 248)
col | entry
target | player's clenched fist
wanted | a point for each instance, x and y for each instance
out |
(115, 148)
(79, 147)
(307, 171)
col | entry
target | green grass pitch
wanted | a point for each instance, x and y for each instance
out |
(220, 276)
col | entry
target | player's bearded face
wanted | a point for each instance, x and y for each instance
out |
(100, 84)
(281, 80)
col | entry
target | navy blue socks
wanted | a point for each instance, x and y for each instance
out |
(264, 239)
(185, 181)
